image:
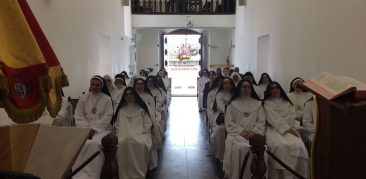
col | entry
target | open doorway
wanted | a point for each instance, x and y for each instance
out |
(182, 56)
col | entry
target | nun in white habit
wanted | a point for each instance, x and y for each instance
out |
(201, 86)
(137, 133)
(282, 138)
(236, 78)
(298, 96)
(165, 95)
(309, 120)
(244, 117)
(151, 83)
(262, 84)
(94, 110)
(223, 99)
(167, 84)
(125, 77)
(145, 94)
(120, 86)
(210, 101)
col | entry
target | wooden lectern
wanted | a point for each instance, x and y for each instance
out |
(339, 144)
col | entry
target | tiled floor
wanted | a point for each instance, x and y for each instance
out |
(186, 151)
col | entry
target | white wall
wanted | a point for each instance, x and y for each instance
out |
(306, 37)
(147, 50)
(73, 29)
(219, 45)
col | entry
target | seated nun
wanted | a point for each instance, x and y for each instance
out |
(211, 95)
(309, 120)
(137, 134)
(125, 77)
(164, 93)
(202, 80)
(120, 86)
(145, 94)
(167, 83)
(223, 98)
(282, 138)
(208, 85)
(236, 77)
(109, 83)
(94, 110)
(298, 96)
(151, 83)
(244, 117)
(249, 75)
(262, 84)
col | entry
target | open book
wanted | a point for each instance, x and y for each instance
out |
(333, 86)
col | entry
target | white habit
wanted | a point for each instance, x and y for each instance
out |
(244, 113)
(201, 86)
(218, 133)
(99, 120)
(290, 149)
(134, 142)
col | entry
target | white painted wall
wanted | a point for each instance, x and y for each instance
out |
(147, 50)
(219, 44)
(73, 29)
(306, 37)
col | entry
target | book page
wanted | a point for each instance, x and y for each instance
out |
(331, 83)
(352, 82)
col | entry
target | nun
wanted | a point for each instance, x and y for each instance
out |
(166, 97)
(249, 75)
(236, 78)
(94, 110)
(210, 101)
(222, 100)
(264, 80)
(244, 117)
(125, 77)
(151, 83)
(137, 134)
(309, 120)
(109, 83)
(120, 86)
(298, 96)
(201, 86)
(282, 138)
(163, 75)
(208, 85)
(145, 94)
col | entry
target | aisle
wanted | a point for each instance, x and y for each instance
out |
(185, 154)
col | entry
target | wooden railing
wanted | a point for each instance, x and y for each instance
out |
(110, 166)
(183, 6)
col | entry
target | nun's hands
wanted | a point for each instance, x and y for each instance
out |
(247, 134)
